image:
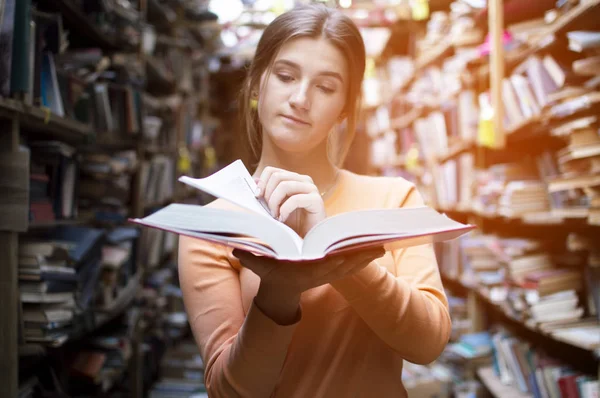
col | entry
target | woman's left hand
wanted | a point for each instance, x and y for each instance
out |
(292, 198)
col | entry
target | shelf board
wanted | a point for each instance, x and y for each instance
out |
(496, 387)
(32, 350)
(407, 119)
(434, 54)
(456, 150)
(37, 120)
(523, 125)
(574, 17)
(542, 219)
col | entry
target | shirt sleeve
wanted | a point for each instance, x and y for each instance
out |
(243, 353)
(407, 309)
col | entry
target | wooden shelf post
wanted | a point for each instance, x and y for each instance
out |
(11, 179)
(496, 28)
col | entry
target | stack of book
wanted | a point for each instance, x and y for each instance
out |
(58, 271)
(463, 357)
(533, 372)
(105, 187)
(510, 190)
(53, 180)
(539, 283)
(181, 373)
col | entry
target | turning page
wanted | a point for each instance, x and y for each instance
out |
(232, 183)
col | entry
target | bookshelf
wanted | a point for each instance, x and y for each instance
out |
(42, 121)
(120, 85)
(580, 16)
(458, 117)
(588, 360)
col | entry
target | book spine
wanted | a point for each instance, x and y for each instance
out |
(20, 57)
(7, 18)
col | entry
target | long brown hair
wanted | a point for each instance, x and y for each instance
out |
(314, 21)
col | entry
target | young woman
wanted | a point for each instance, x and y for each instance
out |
(339, 327)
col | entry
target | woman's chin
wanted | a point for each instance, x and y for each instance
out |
(293, 146)
(290, 141)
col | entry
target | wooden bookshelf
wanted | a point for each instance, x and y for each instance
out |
(494, 385)
(17, 119)
(586, 360)
(585, 11)
(43, 122)
(529, 138)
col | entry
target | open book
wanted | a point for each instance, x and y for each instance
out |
(253, 229)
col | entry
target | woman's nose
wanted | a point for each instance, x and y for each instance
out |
(300, 97)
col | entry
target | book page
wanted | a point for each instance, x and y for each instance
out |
(232, 183)
(224, 225)
(238, 242)
(364, 226)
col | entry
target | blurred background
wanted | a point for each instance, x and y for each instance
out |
(490, 107)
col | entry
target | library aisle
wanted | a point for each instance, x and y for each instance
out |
(492, 108)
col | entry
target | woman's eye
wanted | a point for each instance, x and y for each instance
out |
(325, 89)
(285, 78)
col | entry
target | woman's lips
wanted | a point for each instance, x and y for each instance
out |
(294, 120)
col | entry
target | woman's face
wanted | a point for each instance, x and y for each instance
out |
(304, 95)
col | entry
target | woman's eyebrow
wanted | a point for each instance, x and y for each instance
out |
(294, 65)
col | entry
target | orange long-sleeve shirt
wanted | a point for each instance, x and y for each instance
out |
(353, 334)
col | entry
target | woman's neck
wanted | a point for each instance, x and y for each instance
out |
(315, 164)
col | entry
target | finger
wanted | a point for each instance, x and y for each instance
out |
(349, 267)
(284, 190)
(267, 177)
(374, 253)
(276, 178)
(371, 252)
(252, 262)
(311, 202)
(264, 177)
(356, 267)
(349, 262)
(317, 270)
(249, 255)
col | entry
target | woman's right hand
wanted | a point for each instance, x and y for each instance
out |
(295, 277)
